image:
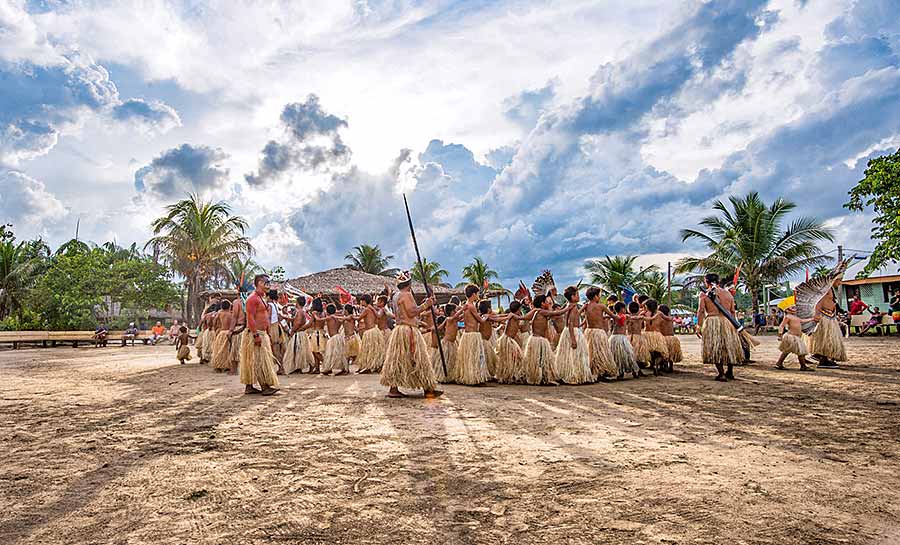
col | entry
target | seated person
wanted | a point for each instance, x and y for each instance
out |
(174, 331)
(875, 320)
(100, 335)
(157, 332)
(131, 333)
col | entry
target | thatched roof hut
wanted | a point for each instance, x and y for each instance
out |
(361, 283)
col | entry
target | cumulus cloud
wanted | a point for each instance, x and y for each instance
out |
(311, 143)
(182, 170)
(526, 107)
(24, 200)
(150, 116)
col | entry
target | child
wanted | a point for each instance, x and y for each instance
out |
(434, 351)
(182, 345)
(350, 333)
(596, 318)
(471, 360)
(223, 322)
(573, 359)
(634, 327)
(448, 340)
(539, 361)
(653, 337)
(623, 353)
(509, 352)
(371, 346)
(486, 328)
(673, 345)
(336, 347)
(298, 354)
(790, 332)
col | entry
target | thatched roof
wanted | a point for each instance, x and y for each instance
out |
(358, 283)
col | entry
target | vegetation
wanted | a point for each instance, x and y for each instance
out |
(370, 259)
(749, 236)
(880, 189)
(198, 239)
(477, 272)
(611, 274)
(434, 274)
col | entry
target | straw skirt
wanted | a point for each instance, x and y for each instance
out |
(450, 349)
(236, 349)
(184, 353)
(371, 350)
(335, 354)
(623, 354)
(522, 339)
(720, 344)
(639, 345)
(353, 346)
(317, 341)
(276, 334)
(509, 368)
(298, 355)
(437, 366)
(792, 344)
(198, 342)
(673, 345)
(538, 362)
(471, 360)
(602, 362)
(656, 343)
(221, 353)
(490, 356)
(257, 362)
(403, 367)
(573, 364)
(826, 340)
(208, 341)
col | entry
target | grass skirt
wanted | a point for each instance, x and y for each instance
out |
(450, 349)
(257, 362)
(353, 345)
(656, 343)
(573, 364)
(509, 368)
(640, 348)
(792, 344)
(317, 340)
(552, 334)
(538, 362)
(198, 342)
(471, 360)
(602, 362)
(221, 354)
(276, 334)
(673, 345)
(335, 354)
(826, 340)
(720, 344)
(208, 341)
(623, 354)
(404, 369)
(236, 349)
(298, 355)
(184, 353)
(371, 350)
(490, 356)
(437, 366)
(522, 339)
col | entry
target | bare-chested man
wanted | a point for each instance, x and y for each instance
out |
(573, 359)
(653, 336)
(223, 323)
(720, 343)
(539, 360)
(371, 345)
(826, 342)
(336, 348)
(240, 324)
(471, 366)
(257, 362)
(298, 353)
(596, 321)
(406, 361)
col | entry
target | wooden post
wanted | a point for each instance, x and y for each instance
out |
(669, 284)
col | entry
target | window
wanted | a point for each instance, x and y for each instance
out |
(889, 289)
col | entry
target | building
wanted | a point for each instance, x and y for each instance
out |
(875, 290)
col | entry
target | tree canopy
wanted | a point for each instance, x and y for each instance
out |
(370, 259)
(880, 189)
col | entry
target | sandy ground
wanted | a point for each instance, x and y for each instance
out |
(125, 446)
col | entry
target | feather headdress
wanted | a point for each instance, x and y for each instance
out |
(808, 294)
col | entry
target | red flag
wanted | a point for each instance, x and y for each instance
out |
(737, 275)
(807, 274)
(485, 284)
(345, 296)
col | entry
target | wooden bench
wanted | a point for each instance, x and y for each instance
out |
(52, 338)
(859, 321)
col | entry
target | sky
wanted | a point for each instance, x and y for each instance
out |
(533, 134)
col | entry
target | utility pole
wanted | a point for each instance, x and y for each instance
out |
(669, 282)
(840, 253)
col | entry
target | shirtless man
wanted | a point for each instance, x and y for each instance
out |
(336, 348)
(298, 353)
(596, 323)
(406, 361)
(223, 324)
(240, 324)
(371, 344)
(826, 342)
(653, 336)
(257, 362)
(471, 359)
(573, 360)
(720, 343)
(539, 362)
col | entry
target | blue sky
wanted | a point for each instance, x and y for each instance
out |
(534, 134)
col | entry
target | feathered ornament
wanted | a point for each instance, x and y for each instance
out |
(543, 283)
(808, 294)
(522, 294)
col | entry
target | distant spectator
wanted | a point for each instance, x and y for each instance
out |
(874, 321)
(857, 306)
(157, 332)
(895, 305)
(174, 331)
(100, 335)
(131, 333)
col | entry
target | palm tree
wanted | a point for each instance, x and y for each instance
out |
(477, 272)
(614, 273)
(370, 259)
(434, 274)
(198, 238)
(16, 275)
(241, 272)
(821, 270)
(750, 236)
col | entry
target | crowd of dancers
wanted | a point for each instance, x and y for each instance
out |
(541, 339)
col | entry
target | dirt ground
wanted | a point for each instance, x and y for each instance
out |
(123, 445)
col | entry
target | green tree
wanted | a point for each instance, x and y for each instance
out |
(750, 236)
(18, 266)
(614, 273)
(370, 259)
(241, 273)
(198, 239)
(277, 274)
(434, 273)
(880, 189)
(477, 272)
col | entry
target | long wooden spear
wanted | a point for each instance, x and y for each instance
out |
(412, 232)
